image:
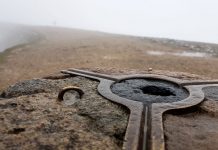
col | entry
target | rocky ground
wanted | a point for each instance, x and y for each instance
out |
(61, 48)
(32, 118)
(193, 129)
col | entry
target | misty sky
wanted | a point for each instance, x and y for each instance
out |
(195, 20)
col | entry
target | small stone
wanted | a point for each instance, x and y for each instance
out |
(150, 69)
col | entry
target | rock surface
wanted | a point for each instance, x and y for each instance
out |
(32, 118)
(193, 129)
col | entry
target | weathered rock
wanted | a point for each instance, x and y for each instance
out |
(193, 129)
(32, 118)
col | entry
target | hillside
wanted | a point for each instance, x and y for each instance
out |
(53, 49)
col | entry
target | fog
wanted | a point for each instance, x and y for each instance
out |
(194, 20)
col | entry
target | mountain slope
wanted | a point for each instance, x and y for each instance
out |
(61, 48)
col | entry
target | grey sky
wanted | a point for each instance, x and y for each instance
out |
(195, 20)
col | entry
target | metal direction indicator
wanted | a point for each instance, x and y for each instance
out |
(147, 97)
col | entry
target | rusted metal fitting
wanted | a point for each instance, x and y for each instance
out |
(65, 89)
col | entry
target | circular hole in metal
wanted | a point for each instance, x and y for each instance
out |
(157, 90)
(149, 91)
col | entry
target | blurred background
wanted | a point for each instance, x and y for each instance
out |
(38, 37)
(194, 20)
